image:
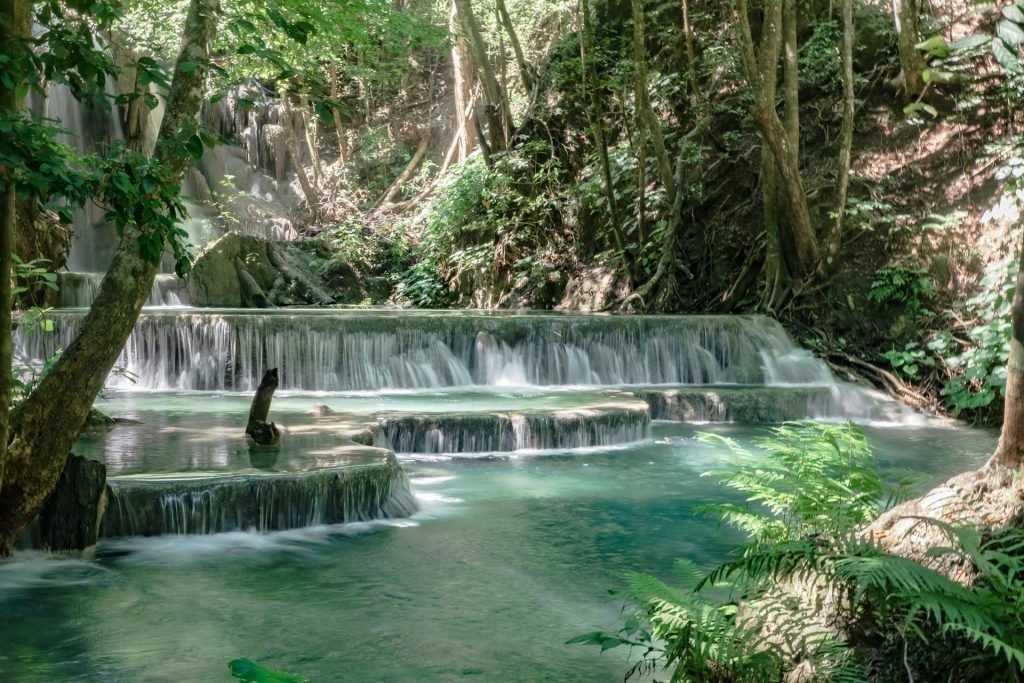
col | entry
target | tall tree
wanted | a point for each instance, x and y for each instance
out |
(835, 236)
(588, 62)
(906, 15)
(44, 426)
(649, 125)
(1010, 451)
(462, 80)
(797, 240)
(526, 73)
(497, 110)
(15, 26)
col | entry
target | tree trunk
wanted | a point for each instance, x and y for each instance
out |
(791, 77)
(462, 72)
(835, 237)
(15, 26)
(339, 127)
(407, 173)
(597, 126)
(309, 129)
(497, 112)
(691, 57)
(45, 425)
(912, 66)
(798, 243)
(526, 73)
(310, 193)
(1010, 451)
(645, 114)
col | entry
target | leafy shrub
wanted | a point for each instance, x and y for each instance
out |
(907, 286)
(819, 59)
(489, 223)
(981, 368)
(809, 492)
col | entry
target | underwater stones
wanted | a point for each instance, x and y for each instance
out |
(750, 404)
(599, 425)
(347, 483)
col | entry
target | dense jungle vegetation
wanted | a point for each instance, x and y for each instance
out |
(853, 169)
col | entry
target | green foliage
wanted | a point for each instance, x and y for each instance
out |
(249, 671)
(910, 360)
(907, 286)
(980, 367)
(819, 60)
(487, 223)
(1009, 37)
(813, 479)
(806, 497)
(978, 364)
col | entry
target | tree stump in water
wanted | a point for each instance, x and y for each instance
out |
(262, 432)
(70, 518)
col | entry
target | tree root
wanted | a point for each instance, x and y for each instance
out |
(892, 384)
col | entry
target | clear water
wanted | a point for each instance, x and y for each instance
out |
(508, 558)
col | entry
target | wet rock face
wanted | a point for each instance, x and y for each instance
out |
(593, 289)
(243, 271)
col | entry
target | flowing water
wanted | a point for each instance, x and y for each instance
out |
(538, 475)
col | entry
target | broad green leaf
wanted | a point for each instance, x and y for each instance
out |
(936, 46)
(1013, 13)
(1005, 56)
(1011, 33)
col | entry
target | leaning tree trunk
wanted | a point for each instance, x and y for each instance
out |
(526, 74)
(15, 27)
(45, 425)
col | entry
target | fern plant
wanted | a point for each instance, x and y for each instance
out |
(754, 617)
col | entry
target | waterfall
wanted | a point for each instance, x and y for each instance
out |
(150, 506)
(228, 189)
(589, 427)
(336, 350)
(78, 290)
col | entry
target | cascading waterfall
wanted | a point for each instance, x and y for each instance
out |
(602, 380)
(589, 427)
(146, 506)
(78, 290)
(372, 350)
(228, 189)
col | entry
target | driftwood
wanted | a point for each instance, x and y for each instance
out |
(262, 432)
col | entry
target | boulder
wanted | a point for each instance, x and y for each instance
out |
(243, 271)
